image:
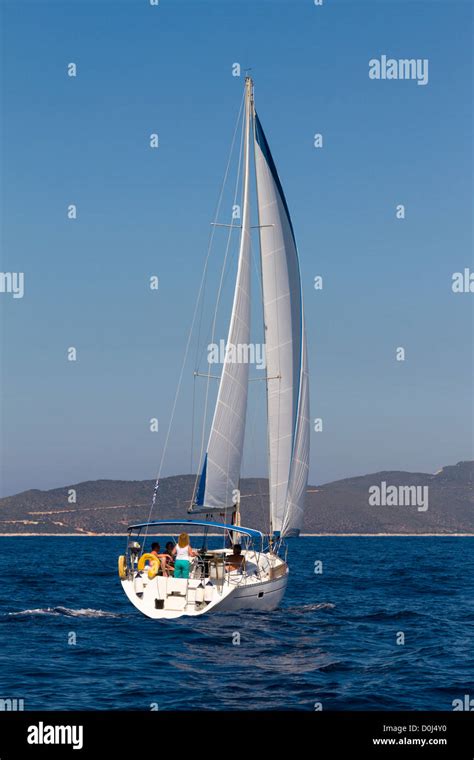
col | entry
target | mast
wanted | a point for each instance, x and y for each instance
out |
(246, 207)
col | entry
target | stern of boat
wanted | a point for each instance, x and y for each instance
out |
(260, 586)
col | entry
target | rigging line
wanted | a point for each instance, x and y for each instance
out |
(228, 464)
(206, 402)
(245, 239)
(216, 215)
(223, 276)
(233, 255)
(188, 342)
(192, 425)
(202, 300)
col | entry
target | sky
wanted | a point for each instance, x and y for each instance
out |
(387, 282)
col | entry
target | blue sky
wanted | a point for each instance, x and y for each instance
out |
(387, 282)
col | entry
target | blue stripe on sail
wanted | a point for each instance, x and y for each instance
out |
(264, 147)
(202, 485)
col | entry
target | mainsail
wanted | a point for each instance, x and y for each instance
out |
(285, 343)
(221, 469)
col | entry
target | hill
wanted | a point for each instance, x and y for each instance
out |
(109, 506)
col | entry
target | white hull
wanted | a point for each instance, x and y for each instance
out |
(266, 596)
(259, 589)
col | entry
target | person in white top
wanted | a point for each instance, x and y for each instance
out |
(183, 552)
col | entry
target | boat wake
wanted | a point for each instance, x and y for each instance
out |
(64, 611)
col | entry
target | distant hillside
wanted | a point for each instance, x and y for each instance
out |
(108, 506)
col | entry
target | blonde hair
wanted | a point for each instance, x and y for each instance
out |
(183, 540)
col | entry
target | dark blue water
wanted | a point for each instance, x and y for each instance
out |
(333, 641)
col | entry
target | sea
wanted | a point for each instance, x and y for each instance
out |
(367, 623)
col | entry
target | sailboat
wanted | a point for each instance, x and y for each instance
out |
(258, 581)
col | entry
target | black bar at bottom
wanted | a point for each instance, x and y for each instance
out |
(366, 734)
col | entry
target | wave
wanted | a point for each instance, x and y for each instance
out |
(65, 611)
(382, 615)
(310, 607)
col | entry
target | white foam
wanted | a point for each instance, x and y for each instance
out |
(64, 611)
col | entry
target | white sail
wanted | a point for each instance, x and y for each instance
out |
(221, 469)
(285, 339)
